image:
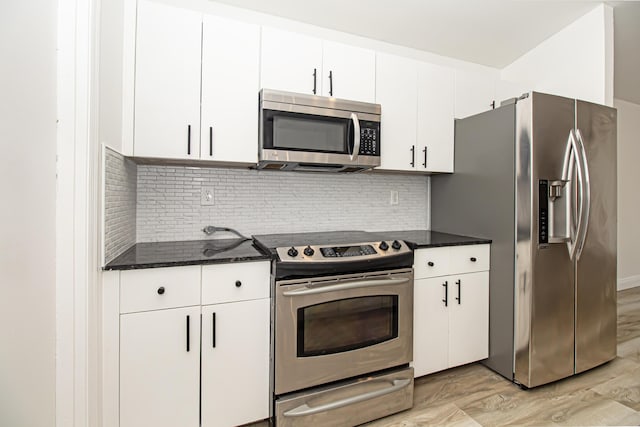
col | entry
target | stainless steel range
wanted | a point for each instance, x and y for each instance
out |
(342, 327)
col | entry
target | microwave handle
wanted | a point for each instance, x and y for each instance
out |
(356, 137)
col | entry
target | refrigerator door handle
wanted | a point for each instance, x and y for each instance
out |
(585, 194)
(571, 162)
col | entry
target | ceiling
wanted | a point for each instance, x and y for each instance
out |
(488, 32)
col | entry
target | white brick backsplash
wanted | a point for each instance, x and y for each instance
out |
(120, 204)
(259, 202)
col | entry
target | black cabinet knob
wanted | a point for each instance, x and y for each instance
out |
(238, 283)
(430, 264)
(161, 290)
(473, 259)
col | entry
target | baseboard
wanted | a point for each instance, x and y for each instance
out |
(629, 282)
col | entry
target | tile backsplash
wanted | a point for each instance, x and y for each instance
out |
(120, 204)
(258, 202)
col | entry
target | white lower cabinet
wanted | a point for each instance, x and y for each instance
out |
(468, 318)
(451, 307)
(199, 365)
(160, 368)
(235, 363)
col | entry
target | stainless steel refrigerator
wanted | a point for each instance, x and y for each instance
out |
(538, 177)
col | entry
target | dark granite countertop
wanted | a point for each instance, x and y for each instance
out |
(193, 252)
(429, 238)
(190, 252)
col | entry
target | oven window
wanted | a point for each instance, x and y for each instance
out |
(346, 324)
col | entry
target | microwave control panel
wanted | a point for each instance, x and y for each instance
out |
(369, 138)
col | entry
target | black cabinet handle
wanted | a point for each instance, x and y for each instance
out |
(238, 283)
(211, 141)
(430, 264)
(459, 297)
(330, 83)
(446, 293)
(315, 75)
(161, 290)
(413, 156)
(188, 332)
(473, 259)
(425, 157)
(189, 140)
(213, 328)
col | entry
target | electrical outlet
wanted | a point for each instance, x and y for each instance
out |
(206, 196)
(394, 198)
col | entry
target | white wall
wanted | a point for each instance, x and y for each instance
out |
(27, 213)
(576, 62)
(628, 194)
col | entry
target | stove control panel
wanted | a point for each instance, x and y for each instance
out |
(342, 253)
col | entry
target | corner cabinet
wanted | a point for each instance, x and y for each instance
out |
(182, 57)
(451, 307)
(194, 345)
(295, 62)
(417, 115)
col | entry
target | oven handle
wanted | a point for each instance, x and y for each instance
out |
(344, 286)
(305, 410)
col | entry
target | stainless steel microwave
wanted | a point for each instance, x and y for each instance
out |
(315, 133)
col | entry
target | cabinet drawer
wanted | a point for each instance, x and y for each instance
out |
(468, 259)
(235, 282)
(158, 288)
(431, 262)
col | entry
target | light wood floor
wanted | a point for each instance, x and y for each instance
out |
(473, 395)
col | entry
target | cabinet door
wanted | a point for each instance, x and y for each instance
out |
(474, 93)
(289, 61)
(468, 318)
(235, 363)
(167, 82)
(160, 368)
(348, 72)
(430, 326)
(396, 91)
(230, 79)
(436, 91)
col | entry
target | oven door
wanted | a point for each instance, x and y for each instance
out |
(332, 328)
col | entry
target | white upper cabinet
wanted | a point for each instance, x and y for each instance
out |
(396, 84)
(167, 82)
(475, 93)
(291, 62)
(348, 72)
(230, 84)
(183, 59)
(436, 86)
(299, 63)
(417, 126)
